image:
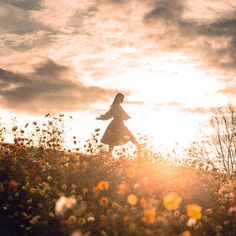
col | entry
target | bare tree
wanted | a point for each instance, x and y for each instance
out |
(219, 144)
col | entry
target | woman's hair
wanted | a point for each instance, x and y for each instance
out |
(118, 98)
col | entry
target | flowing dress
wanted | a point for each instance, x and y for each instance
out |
(116, 133)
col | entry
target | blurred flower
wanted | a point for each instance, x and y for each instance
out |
(91, 218)
(143, 202)
(49, 178)
(172, 201)
(104, 201)
(73, 186)
(209, 211)
(64, 187)
(123, 188)
(132, 199)
(176, 213)
(34, 220)
(232, 210)
(72, 219)
(103, 185)
(13, 185)
(76, 233)
(149, 216)
(186, 233)
(194, 211)
(191, 222)
(218, 228)
(38, 179)
(64, 203)
(84, 190)
(222, 190)
(131, 172)
(81, 221)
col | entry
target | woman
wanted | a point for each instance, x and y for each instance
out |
(117, 133)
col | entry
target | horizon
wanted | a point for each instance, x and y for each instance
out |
(173, 61)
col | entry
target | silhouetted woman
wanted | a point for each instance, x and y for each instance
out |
(117, 133)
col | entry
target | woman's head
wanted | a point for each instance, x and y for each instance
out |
(119, 98)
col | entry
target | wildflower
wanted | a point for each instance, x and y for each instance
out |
(34, 220)
(13, 185)
(232, 210)
(91, 218)
(64, 187)
(186, 233)
(49, 178)
(123, 188)
(73, 186)
(32, 190)
(103, 185)
(72, 219)
(131, 172)
(84, 190)
(143, 202)
(132, 199)
(172, 201)
(149, 216)
(96, 190)
(63, 204)
(194, 211)
(209, 211)
(222, 190)
(191, 222)
(176, 213)
(76, 233)
(37, 179)
(81, 221)
(182, 219)
(218, 228)
(104, 201)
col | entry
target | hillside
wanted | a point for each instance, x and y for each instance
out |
(46, 192)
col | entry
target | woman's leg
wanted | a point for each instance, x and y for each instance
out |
(111, 146)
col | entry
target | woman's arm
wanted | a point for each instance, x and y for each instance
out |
(108, 115)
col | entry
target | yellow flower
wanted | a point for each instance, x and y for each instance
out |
(132, 199)
(172, 201)
(104, 201)
(131, 172)
(186, 233)
(194, 211)
(103, 185)
(149, 216)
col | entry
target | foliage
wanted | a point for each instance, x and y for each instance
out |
(219, 144)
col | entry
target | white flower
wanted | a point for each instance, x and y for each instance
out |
(63, 204)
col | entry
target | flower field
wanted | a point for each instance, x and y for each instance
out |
(49, 192)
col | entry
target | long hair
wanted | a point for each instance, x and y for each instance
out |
(118, 98)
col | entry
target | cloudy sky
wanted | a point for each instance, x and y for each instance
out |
(172, 59)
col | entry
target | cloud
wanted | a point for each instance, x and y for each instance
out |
(230, 90)
(47, 89)
(16, 20)
(24, 4)
(212, 38)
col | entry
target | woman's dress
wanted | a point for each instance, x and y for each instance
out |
(116, 133)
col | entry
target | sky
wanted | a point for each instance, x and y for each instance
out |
(172, 59)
